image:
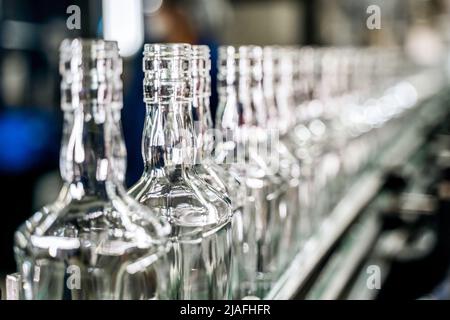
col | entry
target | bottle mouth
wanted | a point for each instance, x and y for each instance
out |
(162, 50)
(240, 52)
(167, 72)
(88, 49)
(252, 64)
(235, 62)
(250, 52)
(81, 56)
(91, 73)
(287, 62)
(201, 62)
(167, 62)
(200, 51)
(271, 60)
(228, 61)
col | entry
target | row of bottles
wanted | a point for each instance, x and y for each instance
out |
(218, 212)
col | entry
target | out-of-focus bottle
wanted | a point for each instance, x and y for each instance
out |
(205, 165)
(278, 84)
(95, 241)
(223, 180)
(246, 150)
(199, 214)
(300, 137)
(229, 155)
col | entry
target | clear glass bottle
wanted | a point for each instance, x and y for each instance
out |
(302, 64)
(94, 241)
(199, 214)
(229, 154)
(313, 132)
(242, 119)
(278, 84)
(225, 181)
(205, 165)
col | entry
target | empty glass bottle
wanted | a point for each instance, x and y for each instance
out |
(205, 165)
(278, 84)
(246, 150)
(225, 181)
(95, 241)
(300, 62)
(229, 152)
(199, 214)
(312, 133)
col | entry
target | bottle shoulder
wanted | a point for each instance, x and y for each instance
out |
(183, 197)
(212, 176)
(92, 219)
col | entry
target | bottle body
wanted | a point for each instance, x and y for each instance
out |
(278, 82)
(201, 247)
(87, 259)
(251, 150)
(204, 262)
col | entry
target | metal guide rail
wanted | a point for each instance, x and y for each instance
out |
(306, 261)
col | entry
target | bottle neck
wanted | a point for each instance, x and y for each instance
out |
(243, 135)
(93, 153)
(230, 112)
(251, 95)
(242, 114)
(270, 84)
(285, 93)
(242, 105)
(202, 121)
(201, 85)
(168, 138)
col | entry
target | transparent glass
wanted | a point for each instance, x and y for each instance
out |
(340, 117)
(247, 149)
(94, 241)
(312, 137)
(225, 181)
(279, 91)
(199, 214)
(299, 71)
(205, 165)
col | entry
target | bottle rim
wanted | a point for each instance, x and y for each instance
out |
(160, 50)
(89, 48)
(201, 51)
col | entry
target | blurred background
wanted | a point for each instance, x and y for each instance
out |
(31, 31)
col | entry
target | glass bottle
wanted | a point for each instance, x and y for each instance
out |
(300, 137)
(94, 241)
(200, 215)
(225, 181)
(205, 166)
(313, 131)
(278, 84)
(242, 119)
(230, 157)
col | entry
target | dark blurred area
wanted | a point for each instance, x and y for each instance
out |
(31, 31)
